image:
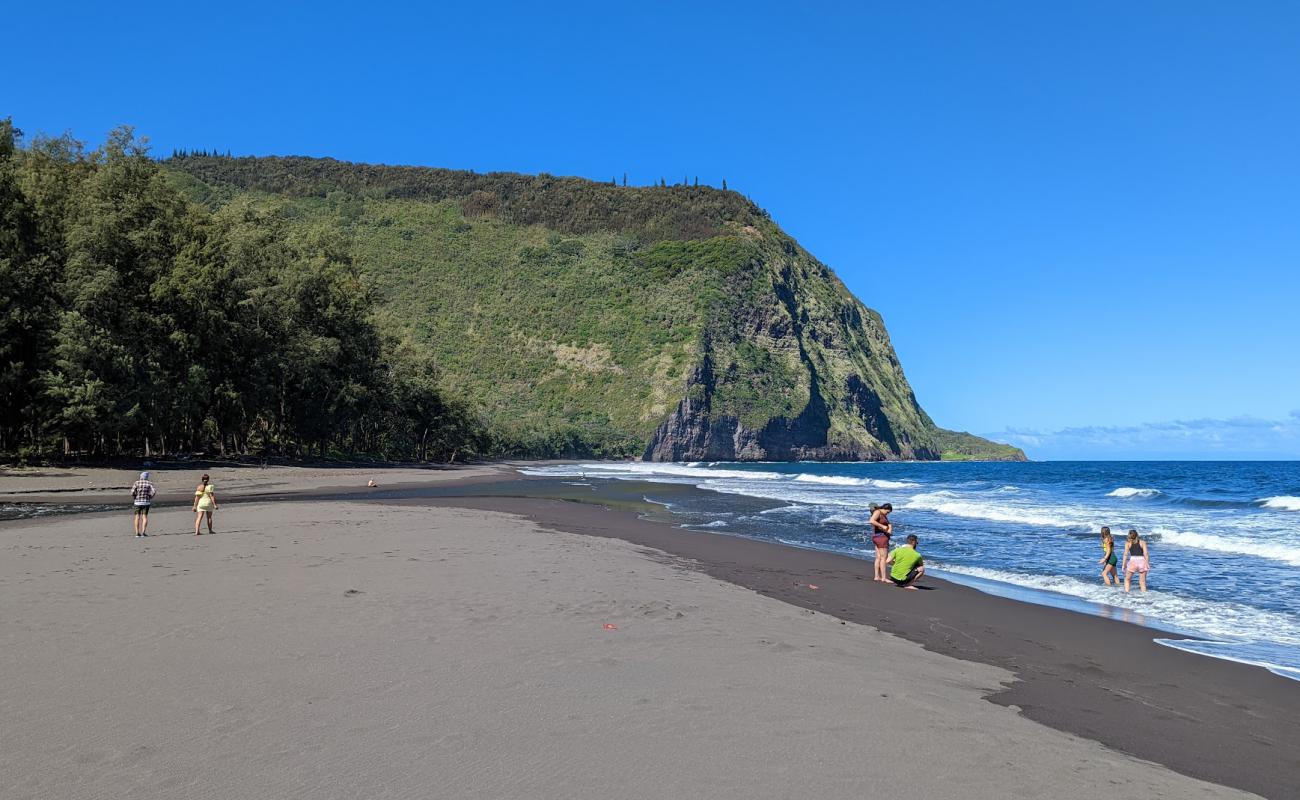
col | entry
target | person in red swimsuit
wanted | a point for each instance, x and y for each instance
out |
(881, 530)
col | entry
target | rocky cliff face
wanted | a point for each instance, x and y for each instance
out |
(793, 367)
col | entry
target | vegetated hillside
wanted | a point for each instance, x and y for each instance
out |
(674, 322)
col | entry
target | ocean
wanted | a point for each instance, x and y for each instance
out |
(1224, 537)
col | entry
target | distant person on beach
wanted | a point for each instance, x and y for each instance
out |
(908, 567)
(205, 502)
(1108, 558)
(881, 530)
(142, 492)
(1136, 559)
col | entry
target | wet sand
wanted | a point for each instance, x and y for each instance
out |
(1098, 678)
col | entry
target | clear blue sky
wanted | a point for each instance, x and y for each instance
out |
(1074, 217)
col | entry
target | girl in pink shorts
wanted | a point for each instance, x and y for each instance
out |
(1137, 558)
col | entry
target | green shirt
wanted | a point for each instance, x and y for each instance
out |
(905, 558)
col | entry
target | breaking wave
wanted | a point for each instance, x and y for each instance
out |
(1128, 491)
(1283, 502)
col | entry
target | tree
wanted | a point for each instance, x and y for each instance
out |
(26, 295)
(724, 184)
(112, 340)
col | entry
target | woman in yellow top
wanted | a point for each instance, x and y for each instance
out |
(1108, 558)
(205, 502)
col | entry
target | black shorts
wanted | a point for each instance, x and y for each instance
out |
(911, 576)
(144, 510)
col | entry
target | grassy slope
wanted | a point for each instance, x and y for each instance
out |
(567, 310)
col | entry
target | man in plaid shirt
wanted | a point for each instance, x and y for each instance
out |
(142, 492)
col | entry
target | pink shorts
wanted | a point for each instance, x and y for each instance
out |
(1137, 564)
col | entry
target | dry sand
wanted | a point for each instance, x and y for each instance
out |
(345, 650)
(175, 484)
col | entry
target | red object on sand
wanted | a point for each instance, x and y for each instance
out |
(812, 586)
(609, 626)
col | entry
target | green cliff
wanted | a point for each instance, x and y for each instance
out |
(672, 322)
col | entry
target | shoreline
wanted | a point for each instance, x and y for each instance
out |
(342, 649)
(1102, 679)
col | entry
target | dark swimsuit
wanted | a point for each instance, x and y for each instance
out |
(878, 537)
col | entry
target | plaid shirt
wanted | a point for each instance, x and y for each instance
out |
(142, 492)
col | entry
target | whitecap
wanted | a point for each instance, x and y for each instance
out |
(945, 502)
(1282, 502)
(1230, 544)
(644, 470)
(880, 483)
(844, 480)
(831, 480)
(1129, 491)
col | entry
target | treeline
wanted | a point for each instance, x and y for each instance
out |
(567, 205)
(135, 321)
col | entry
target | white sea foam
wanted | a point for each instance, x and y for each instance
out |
(1129, 491)
(1208, 617)
(945, 502)
(1283, 502)
(719, 523)
(1230, 544)
(791, 493)
(783, 509)
(697, 471)
(880, 483)
(844, 519)
(831, 480)
(1283, 662)
(844, 480)
(642, 470)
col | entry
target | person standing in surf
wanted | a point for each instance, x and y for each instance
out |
(881, 530)
(1108, 558)
(1136, 559)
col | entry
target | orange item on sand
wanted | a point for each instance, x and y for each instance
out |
(609, 626)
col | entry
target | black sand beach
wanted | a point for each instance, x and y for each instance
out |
(1098, 678)
(1101, 679)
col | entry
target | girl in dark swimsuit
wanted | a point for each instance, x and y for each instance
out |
(1108, 558)
(881, 530)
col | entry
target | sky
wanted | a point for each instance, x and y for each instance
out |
(1080, 220)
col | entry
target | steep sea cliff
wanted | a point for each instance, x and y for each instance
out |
(579, 318)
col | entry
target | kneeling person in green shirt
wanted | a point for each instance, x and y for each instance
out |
(908, 564)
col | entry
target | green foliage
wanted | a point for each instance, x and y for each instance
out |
(566, 205)
(26, 295)
(134, 320)
(960, 446)
(293, 305)
(571, 316)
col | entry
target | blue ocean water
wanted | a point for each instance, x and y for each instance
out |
(1224, 537)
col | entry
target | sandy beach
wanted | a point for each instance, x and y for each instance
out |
(175, 482)
(327, 648)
